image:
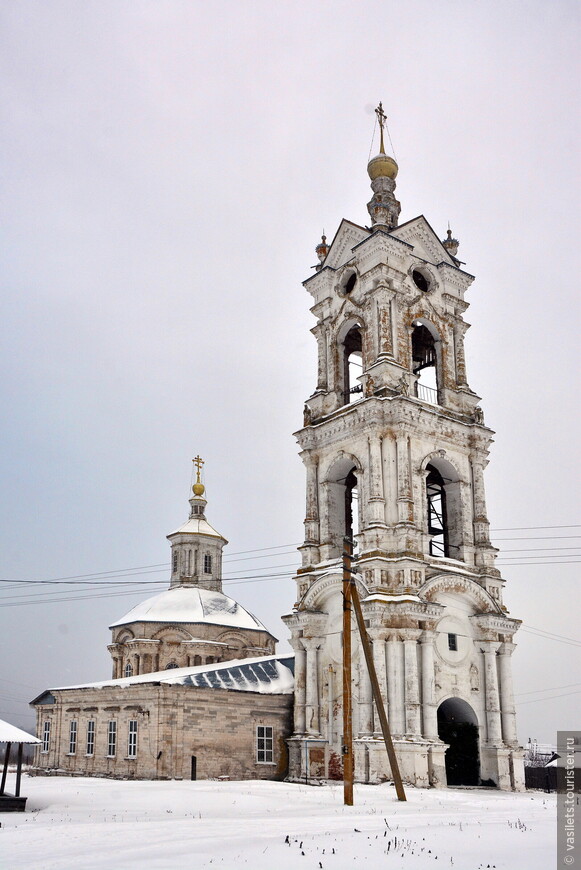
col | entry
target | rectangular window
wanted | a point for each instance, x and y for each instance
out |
(112, 739)
(264, 744)
(46, 737)
(452, 642)
(174, 562)
(72, 737)
(132, 739)
(207, 564)
(91, 737)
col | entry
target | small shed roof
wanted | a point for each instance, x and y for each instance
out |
(11, 734)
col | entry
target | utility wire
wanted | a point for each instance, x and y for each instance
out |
(552, 689)
(550, 698)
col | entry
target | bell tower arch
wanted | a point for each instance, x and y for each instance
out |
(394, 446)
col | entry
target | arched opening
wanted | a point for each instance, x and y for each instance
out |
(444, 510)
(437, 513)
(351, 505)
(342, 489)
(128, 670)
(352, 365)
(425, 363)
(171, 666)
(458, 726)
(350, 283)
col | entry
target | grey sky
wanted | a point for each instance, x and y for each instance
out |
(167, 170)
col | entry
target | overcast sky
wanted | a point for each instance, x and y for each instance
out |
(167, 170)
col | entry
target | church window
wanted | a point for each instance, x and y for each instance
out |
(198, 510)
(132, 739)
(424, 363)
(112, 739)
(420, 280)
(210, 660)
(46, 736)
(197, 660)
(189, 572)
(342, 490)
(437, 515)
(128, 670)
(207, 564)
(170, 666)
(175, 562)
(264, 744)
(350, 283)
(351, 505)
(91, 737)
(352, 365)
(73, 737)
(453, 642)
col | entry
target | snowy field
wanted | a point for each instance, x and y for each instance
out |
(81, 824)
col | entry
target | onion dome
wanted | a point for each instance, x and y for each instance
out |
(383, 208)
(322, 249)
(451, 244)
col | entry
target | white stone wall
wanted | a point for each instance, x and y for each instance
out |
(216, 726)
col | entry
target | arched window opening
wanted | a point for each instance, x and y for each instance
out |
(171, 666)
(420, 280)
(342, 487)
(197, 660)
(350, 283)
(424, 363)
(353, 365)
(351, 506)
(128, 670)
(437, 516)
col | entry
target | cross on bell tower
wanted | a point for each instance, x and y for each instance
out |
(394, 445)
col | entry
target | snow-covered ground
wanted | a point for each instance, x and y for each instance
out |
(82, 824)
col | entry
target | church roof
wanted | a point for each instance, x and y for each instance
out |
(267, 675)
(192, 604)
(197, 526)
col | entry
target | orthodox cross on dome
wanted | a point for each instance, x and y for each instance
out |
(198, 486)
(382, 118)
(198, 462)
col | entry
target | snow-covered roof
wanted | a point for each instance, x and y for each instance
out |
(192, 604)
(11, 734)
(267, 675)
(197, 526)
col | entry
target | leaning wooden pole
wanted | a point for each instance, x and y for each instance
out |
(347, 699)
(377, 692)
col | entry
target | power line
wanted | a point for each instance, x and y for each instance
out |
(532, 528)
(551, 689)
(551, 698)
(560, 636)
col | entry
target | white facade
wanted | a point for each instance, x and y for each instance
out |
(395, 446)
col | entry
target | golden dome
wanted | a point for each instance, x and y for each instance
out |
(382, 166)
(198, 489)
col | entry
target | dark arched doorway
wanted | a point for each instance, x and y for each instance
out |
(458, 726)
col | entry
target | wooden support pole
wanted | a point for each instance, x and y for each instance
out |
(5, 770)
(18, 770)
(377, 693)
(347, 699)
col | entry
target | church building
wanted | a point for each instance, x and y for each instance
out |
(197, 690)
(395, 446)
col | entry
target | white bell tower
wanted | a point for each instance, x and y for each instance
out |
(394, 445)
